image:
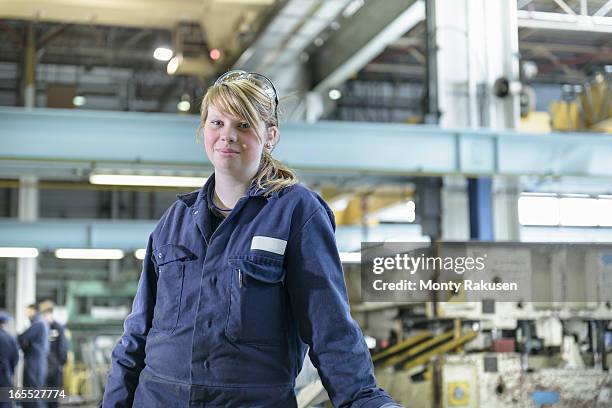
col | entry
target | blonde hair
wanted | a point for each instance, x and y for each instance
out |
(245, 100)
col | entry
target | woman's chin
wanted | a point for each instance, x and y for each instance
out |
(228, 166)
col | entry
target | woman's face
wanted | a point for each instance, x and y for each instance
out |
(231, 144)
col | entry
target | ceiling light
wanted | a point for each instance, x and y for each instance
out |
(162, 53)
(141, 180)
(79, 100)
(140, 253)
(335, 94)
(352, 8)
(183, 106)
(87, 253)
(16, 252)
(173, 65)
(215, 54)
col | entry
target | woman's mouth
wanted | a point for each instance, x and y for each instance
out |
(227, 152)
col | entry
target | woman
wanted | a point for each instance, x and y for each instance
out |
(239, 279)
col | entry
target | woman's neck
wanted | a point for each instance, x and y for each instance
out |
(229, 189)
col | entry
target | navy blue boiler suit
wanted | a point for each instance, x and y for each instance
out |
(9, 357)
(221, 316)
(56, 358)
(35, 345)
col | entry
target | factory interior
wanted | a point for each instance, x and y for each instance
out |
(484, 124)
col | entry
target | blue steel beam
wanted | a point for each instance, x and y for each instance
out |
(128, 139)
(50, 234)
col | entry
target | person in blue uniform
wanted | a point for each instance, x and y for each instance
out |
(34, 342)
(9, 356)
(240, 278)
(58, 349)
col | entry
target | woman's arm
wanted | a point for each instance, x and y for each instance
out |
(319, 301)
(129, 354)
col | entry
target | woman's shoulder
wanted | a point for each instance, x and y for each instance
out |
(304, 201)
(301, 194)
(175, 213)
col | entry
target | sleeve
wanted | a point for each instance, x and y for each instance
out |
(317, 293)
(128, 356)
(22, 342)
(25, 338)
(63, 345)
(14, 357)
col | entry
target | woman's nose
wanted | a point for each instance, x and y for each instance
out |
(228, 135)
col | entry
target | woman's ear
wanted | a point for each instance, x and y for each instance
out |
(272, 135)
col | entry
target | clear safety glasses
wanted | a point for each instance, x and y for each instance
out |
(260, 80)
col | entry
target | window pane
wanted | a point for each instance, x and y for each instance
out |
(579, 212)
(605, 212)
(538, 210)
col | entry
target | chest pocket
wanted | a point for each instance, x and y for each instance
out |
(171, 260)
(257, 306)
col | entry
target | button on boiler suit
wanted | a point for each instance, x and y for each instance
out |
(223, 317)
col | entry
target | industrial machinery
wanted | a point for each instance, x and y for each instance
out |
(96, 311)
(545, 345)
(585, 107)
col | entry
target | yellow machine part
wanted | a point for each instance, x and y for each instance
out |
(565, 116)
(360, 205)
(591, 111)
(458, 394)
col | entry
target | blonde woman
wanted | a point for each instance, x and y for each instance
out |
(241, 278)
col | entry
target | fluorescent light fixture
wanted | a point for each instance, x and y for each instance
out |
(79, 100)
(183, 106)
(140, 180)
(162, 53)
(87, 253)
(140, 253)
(18, 252)
(350, 257)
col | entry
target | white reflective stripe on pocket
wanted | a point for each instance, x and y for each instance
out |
(269, 244)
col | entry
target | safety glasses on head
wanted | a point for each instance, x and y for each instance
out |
(260, 80)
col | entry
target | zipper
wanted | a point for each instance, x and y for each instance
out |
(239, 278)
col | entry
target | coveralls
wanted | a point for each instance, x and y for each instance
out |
(35, 344)
(58, 354)
(9, 357)
(223, 317)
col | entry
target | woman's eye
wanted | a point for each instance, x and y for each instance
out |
(216, 122)
(244, 125)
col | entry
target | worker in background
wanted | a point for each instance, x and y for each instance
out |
(35, 344)
(9, 356)
(240, 278)
(58, 349)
